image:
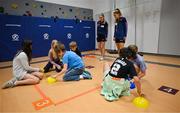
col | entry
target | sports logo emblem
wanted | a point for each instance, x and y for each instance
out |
(15, 37)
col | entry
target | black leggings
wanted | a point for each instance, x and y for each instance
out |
(49, 66)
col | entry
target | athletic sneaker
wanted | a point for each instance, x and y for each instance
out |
(9, 83)
(86, 75)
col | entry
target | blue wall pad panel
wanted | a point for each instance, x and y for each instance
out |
(14, 29)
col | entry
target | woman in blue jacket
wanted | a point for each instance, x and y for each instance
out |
(102, 32)
(120, 30)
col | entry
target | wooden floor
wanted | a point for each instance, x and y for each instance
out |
(84, 96)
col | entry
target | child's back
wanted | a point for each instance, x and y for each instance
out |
(73, 60)
(139, 61)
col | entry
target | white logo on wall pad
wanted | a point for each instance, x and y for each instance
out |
(46, 36)
(87, 35)
(69, 36)
(15, 37)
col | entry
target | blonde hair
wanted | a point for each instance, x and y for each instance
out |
(53, 42)
(72, 44)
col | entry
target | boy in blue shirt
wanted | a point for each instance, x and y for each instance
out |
(73, 66)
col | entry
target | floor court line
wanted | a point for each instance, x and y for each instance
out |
(76, 96)
(42, 94)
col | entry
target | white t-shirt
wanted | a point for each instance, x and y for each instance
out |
(21, 66)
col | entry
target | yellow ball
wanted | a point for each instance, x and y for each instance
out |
(51, 80)
(141, 102)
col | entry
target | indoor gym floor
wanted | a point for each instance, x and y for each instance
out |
(84, 96)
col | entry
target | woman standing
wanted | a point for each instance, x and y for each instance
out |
(102, 32)
(120, 31)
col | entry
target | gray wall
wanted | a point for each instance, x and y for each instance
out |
(169, 40)
(44, 9)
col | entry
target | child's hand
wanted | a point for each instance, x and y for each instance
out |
(54, 76)
(41, 70)
(59, 67)
(140, 94)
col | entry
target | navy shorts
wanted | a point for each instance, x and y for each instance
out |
(101, 38)
(119, 40)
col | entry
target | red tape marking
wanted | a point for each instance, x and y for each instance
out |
(42, 94)
(42, 103)
(76, 96)
(89, 56)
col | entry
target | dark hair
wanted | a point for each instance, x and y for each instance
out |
(102, 14)
(134, 50)
(60, 47)
(72, 44)
(117, 11)
(125, 53)
(26, 47)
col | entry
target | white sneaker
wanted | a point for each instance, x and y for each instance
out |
(9, 83)
(102, 58)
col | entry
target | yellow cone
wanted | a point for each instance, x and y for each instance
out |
(51, 80)
(141, 102)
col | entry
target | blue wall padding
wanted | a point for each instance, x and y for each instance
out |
(34, 28)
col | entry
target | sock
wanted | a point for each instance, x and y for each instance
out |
(81, 77)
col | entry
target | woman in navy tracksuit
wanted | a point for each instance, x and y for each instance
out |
(102, 32)
(120, 31)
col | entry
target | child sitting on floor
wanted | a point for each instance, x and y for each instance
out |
(53, 59)
(138, 61)
(23, 73)
(116, 81)
(73, 66)
(73, 47)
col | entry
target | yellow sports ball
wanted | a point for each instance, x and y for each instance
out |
(51, 80)
(141, 102)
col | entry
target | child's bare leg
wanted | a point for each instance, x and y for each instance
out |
(103, 48)
(99, 46)
(121, 45)
(106, 69)
(106, 66)
(38, 74)
(28, 80)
